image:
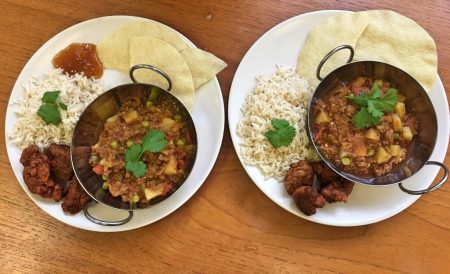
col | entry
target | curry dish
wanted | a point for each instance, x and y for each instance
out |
(145, 151)
(371, 149)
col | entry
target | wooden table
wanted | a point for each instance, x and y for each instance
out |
(228, 225)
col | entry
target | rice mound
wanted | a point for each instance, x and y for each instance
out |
(283, 95)
(77, 92)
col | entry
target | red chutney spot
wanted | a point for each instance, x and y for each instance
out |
(79, 58)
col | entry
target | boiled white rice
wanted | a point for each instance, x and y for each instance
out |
(77, 92)
(284, 95)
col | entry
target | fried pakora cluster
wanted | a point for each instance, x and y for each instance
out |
(50, 175)
(299, 184)
(76, 198)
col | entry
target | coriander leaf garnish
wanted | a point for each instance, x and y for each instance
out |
(373, 106)
(153, 141)
(49, 110)
(133, 153)
(364, 119)
(282, 135)
(50, 97)
(138, 168)
(50, 114)
(386, 103)
(62, 106)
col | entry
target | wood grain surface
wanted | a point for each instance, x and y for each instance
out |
(229, 225)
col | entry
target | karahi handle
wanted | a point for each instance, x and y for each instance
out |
(150, 67)
(329, 54)
(431, 188)
(105, 223)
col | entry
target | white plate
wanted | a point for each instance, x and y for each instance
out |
(367, 204)
(208, 114)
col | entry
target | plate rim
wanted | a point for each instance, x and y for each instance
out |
(18, 85)
(236, 144)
